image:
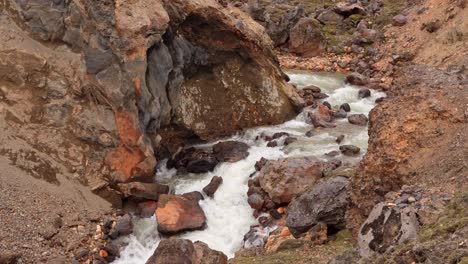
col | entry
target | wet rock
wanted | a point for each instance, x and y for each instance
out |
(305, 38)
(201, 162)
(279, 135)
(325, 202)
(333, 153)
(182, 251)
(123, 227)
(340, 114)
(255, 201)
(146, 209)
(340, 139)
(176, 213)
(358, 119)
(356, 79)
(259, 164)
(275, 214)
(285, 178)
(214, 184)
(193, 160)
(387, 226)
(399, 20)
(194, 196)
(230, 151)
(310, 133)
(320, 96)
(272, 144)
(289, 140)
(346, 107)
(150, 191)
(327, 104)
(312, 89)
(350, 150)
(364, 93)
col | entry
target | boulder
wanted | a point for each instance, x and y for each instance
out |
(306, 38)
(347, 9)
(325, 202)
(255, 201)
(346, 107)
(150, 191)
(183, 251)
(399, 20)
(339, 114)
(214, 184)
(387, 226)
(364, 93)
(311, 89)
(176, 213)
(193, 160)
(340, 139)
(358, 119)
(285, 178)
(356, 79)
(206, 255)
(230, 151)
(350, 150)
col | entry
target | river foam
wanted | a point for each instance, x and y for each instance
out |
(228, 214)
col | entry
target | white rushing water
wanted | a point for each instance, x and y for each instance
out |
(228, 214)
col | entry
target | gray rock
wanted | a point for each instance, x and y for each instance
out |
(364, 93)
(385, 227)
(230, 151)
(349, 150)
(324, 203)
(399, 20)
(358, 119)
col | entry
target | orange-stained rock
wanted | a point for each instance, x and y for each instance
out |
(176, 213)
(317, 234)
(122, 160)
(103, 253)
(147, 209)
(127, 128)
(285, 232)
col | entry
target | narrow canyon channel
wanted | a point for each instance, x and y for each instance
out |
(228, 214)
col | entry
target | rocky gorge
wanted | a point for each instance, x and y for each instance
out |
(170, 132)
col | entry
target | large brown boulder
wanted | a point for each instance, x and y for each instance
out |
(182, 251)
(176, 213)
(306, 38)
(285, 178)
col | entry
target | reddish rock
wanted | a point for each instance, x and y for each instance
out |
(285, 178)
(358, 119)
(214, 184)
(176, 213)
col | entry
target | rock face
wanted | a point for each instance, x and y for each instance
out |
(182, 251)
(176, 213)
(285, 178)
(326, 203)
(387, 226)
(415, 137)
(125, 78)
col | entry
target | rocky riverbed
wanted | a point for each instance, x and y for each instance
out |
(130, 130)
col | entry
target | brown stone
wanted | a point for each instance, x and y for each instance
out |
(176, 214)
(214, 184)
(285, 178)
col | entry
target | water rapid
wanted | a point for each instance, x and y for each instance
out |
(228, 214)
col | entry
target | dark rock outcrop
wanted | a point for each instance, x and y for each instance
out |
(213, 186)
(326, 203)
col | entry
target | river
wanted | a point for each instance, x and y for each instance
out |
(228, 214)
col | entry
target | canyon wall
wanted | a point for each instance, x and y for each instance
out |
(97, 89)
